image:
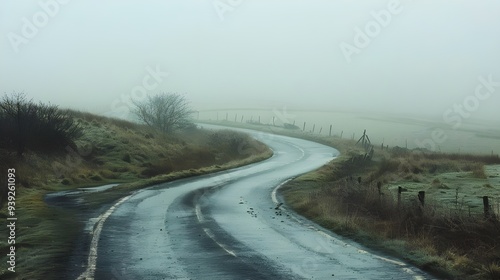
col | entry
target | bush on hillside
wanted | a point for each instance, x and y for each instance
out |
(38, 127)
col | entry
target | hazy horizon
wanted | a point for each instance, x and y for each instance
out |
(417, 58)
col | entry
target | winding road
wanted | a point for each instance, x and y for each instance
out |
(230, 225)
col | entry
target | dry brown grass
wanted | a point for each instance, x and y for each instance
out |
(448, 242)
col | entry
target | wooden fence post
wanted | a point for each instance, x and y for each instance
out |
(400, 189)
(421, 197)
(304, 127)
(486, 204)
(379, 188)
(330, 134)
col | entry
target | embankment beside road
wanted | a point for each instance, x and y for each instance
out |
(110, 151)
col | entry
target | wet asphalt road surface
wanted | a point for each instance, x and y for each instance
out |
(229, 226)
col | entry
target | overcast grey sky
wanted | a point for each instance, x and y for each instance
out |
(419, 57)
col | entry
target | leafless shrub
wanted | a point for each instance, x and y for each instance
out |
(166, 112)
(26, 125)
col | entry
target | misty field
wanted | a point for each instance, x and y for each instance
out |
(412, 132)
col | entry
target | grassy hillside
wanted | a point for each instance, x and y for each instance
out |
(110, 151)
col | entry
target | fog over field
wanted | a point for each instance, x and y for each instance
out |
(432, 60)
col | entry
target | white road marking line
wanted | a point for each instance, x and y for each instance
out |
(301, 150)
(88, 274)
(212, 236)
(273, 193)
(199, 216)
(209, 233)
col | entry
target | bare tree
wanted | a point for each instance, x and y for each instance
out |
(166, 112)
